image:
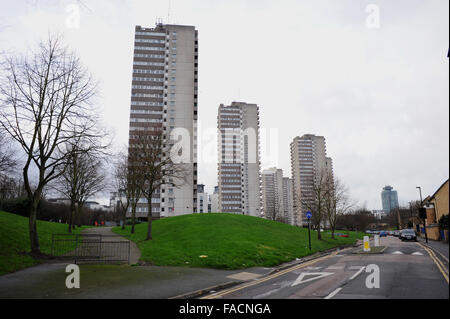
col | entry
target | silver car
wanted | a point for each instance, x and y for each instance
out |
(408, 234)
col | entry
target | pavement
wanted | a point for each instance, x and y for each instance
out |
(406, 270)
(440, 246)
(47, 281)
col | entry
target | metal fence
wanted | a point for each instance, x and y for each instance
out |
(90, 248)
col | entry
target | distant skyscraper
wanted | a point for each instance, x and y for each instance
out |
(214, 200)
(202, 199)
(272, 191)
(288, 199)
(239, 164)
(389, 199)
(308, 163)
(164, 97)
(277, 196)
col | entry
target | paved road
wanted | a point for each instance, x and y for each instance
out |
(407, 270)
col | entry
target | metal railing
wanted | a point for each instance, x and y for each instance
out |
(90, 248)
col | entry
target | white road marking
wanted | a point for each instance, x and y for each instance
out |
(313, 268)
(334, 293)
(397, 253)
(355, 267)
(355, 275)
(318, 275)
(264, 295)
(335, 267)
(417, 253)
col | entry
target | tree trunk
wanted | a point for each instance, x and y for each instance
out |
(34, 239)
(71, 215)
(319, 235)
(124, 217)
(133, 217)
(76, 220)
(149, 218)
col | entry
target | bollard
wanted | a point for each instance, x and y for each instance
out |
(366, 243)
(377, 241)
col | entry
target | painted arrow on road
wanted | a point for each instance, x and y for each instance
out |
(318, 275)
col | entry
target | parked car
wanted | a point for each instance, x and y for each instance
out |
(408, 234)
(396, 233)
(383, 233)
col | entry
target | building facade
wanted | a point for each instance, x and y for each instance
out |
(309, 165)
(164, 98)
(239, 159)
(272, 194)
(288, 199)
(389, 199)
(202, 199)
(214, 200)
(437, 206)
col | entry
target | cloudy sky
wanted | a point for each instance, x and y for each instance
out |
(370, 76)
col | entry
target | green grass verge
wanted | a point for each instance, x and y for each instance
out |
(229, 241)
(15, 241)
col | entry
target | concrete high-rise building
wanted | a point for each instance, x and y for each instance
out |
(308, 163)
(164, 97)
(202, 199)
(389, 199)
(239, 159)
(277, 196)
(288, 200)
(272, 194)
(214, 200)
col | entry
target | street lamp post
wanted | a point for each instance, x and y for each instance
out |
(424, 219)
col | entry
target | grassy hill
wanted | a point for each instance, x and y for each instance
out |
(229, 241)
(15, 241)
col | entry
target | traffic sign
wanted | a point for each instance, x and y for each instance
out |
(308, 215)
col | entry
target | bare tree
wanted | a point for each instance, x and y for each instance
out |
(81, 179)
(314, 200)
(8, 160)
(146, 154)
(337, 201)
(128, 182)
(46, 103)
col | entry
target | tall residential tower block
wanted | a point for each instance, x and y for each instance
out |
(309, 164)
(164, 98)
(239, 159)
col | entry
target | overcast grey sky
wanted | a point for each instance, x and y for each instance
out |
(379, 95)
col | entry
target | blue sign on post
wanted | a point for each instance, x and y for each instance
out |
(308, 215)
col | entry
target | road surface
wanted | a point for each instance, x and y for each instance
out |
(407, 270)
